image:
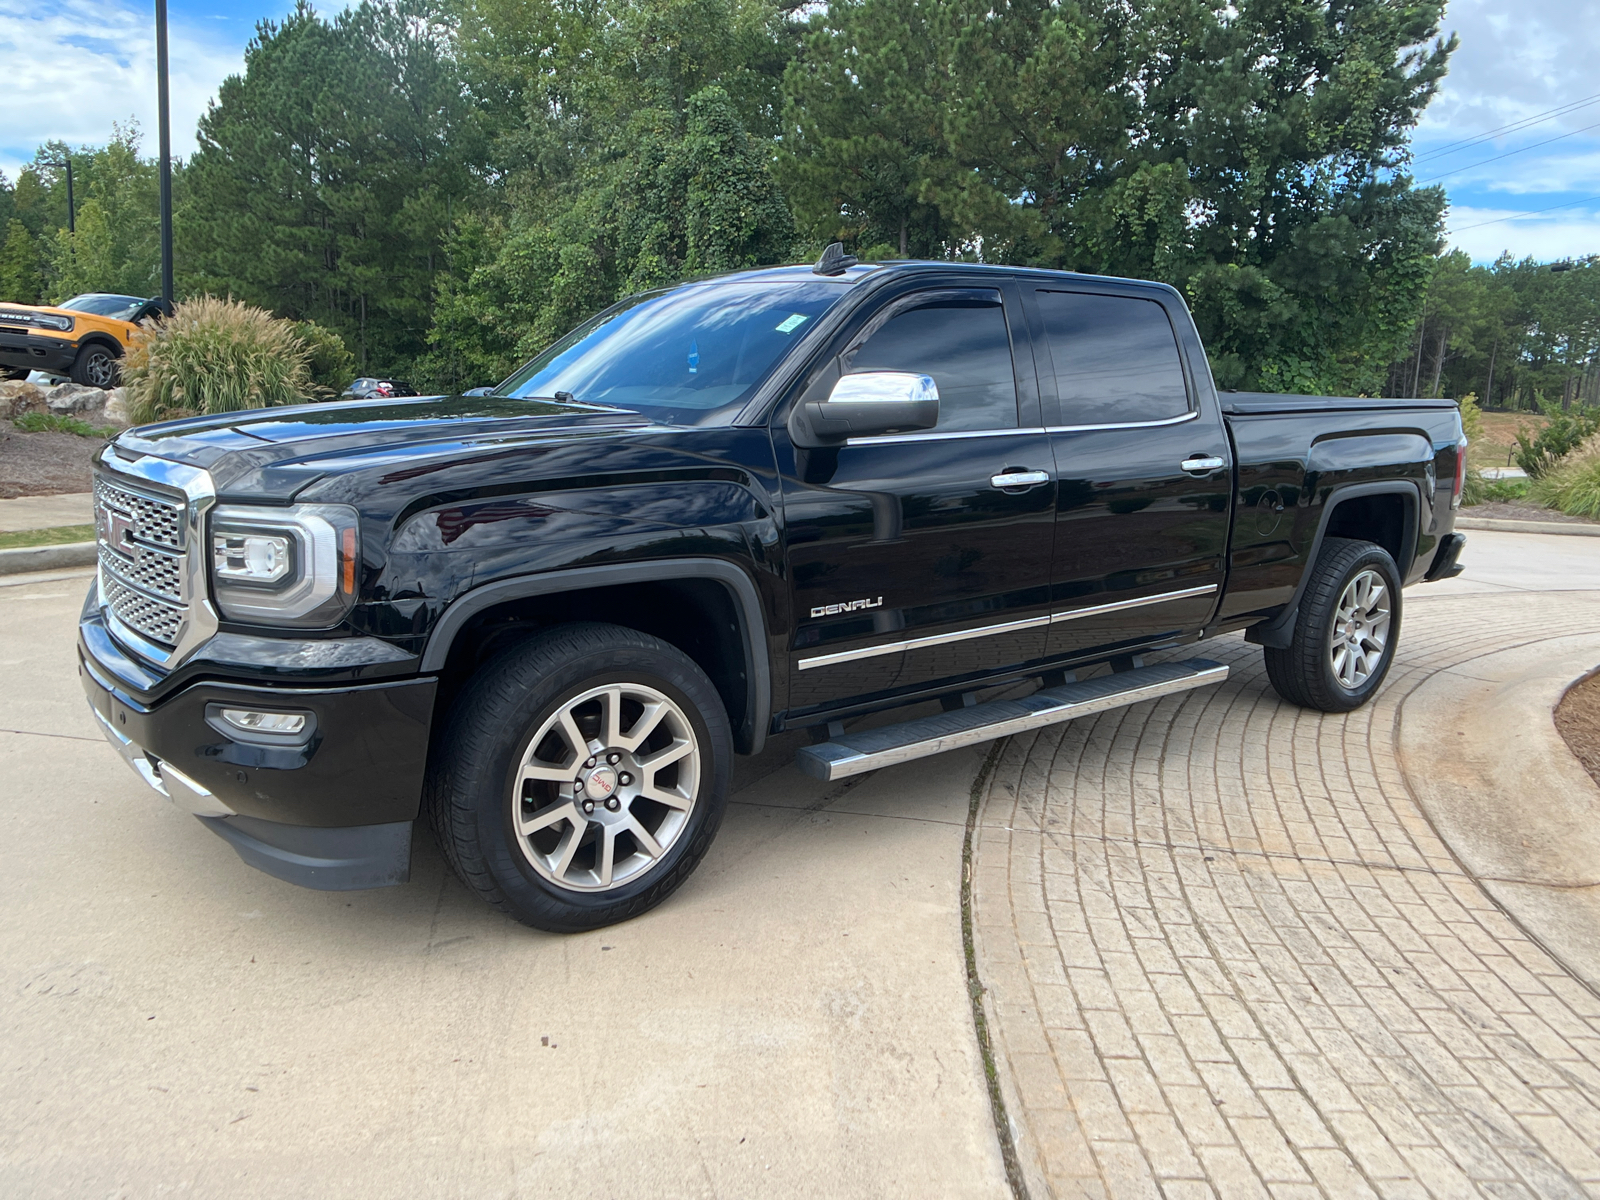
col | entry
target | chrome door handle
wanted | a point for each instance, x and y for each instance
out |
(1203, 462)
(1019, 479)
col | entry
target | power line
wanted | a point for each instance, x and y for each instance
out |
(1521, 150)
(1519, 216)
(1513, 127)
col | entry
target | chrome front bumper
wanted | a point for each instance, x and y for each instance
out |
(163, 777)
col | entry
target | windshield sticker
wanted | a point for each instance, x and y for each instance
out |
(694, 358)
(792, 322)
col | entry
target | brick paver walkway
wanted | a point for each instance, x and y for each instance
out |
(1227, 954)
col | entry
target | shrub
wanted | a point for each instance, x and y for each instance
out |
(39, 422)
(214, 356)
(1505, 491)
(1573, 487)
(1565, 432)
(330, 362)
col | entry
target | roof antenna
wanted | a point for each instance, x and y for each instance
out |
(834, 261)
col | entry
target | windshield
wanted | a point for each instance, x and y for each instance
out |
(102, 304)
(684, 357)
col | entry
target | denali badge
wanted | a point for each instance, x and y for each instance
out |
(833, 610)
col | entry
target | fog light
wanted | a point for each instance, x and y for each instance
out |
(264, 722)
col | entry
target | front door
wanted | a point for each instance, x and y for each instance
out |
(1145, 477)
(924, 559)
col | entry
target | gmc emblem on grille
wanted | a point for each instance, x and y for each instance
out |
(119, 532)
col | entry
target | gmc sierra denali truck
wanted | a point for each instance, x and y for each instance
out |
(545, 619)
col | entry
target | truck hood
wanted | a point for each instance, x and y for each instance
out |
(278, 451)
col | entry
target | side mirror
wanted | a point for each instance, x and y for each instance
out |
(868, 403)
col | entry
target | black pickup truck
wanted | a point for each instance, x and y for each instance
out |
(545, 619)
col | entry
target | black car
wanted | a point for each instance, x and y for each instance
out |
(368, 388)
(544, 621)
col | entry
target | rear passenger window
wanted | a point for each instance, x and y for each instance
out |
(960, 339)
(1115, 357)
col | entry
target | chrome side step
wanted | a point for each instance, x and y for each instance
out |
(853, 753)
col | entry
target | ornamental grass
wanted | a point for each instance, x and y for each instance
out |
(214, 356)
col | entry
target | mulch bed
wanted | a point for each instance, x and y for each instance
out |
(44, 464)
(1578, 719)
(1521, 510)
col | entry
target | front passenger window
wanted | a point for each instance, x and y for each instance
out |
(960, 339)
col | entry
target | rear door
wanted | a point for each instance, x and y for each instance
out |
(1144, 477)
(924, 558)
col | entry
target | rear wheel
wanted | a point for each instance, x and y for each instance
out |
(1346, 630)
(582, 776)
(95, 366)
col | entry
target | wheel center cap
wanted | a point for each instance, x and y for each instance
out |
(600, 782)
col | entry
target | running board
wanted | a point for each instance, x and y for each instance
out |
(852, 753)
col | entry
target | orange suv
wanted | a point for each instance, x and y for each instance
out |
(83, 338)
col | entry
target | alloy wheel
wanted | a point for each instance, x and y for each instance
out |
(1360, 629)
(604, 788)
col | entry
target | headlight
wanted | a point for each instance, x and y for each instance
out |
(284, 566)
(51, 321)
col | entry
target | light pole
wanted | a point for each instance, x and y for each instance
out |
(164, 127)
(72, 220)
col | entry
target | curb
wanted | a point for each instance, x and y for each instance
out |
(1499, 525)
(47, 558)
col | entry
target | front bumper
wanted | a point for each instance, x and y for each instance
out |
(36, 353)
(333, 811)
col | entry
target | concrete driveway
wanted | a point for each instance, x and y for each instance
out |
(793, 1023)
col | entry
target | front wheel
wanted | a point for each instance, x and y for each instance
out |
(95, 366)
(582, 776)
(1346, 630)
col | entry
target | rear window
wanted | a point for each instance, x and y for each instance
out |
(1115, 357)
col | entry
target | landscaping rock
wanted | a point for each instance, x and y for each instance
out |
(75, 400)
(116, 412)
(18, 396)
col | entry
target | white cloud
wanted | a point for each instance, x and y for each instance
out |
(1486, 234)
(72, 67)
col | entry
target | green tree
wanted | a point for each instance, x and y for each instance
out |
(330, 172)
(635, 166)
(20, 279)
(1251, 154)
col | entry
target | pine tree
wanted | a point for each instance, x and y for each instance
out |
(20, 279)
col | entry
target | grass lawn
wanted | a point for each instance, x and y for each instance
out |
(59, 536)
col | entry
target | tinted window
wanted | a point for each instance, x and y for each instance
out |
(103, 304)
(959, 339)
(689, 356)
(1115, 358)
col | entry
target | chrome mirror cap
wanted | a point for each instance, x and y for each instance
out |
(868, 403)
(884, 387)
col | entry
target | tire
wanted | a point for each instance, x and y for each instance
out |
(504, 820)
(1340, 611)
(96, 366)
(10, 373)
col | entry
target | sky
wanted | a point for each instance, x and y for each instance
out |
(72, 67)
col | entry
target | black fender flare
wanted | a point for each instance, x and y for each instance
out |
(101, 339)
(741, 590)
(1278, 631)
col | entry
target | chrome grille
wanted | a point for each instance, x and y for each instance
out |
(149, 616)
(155, 522)
(149, 569)
(142, 559)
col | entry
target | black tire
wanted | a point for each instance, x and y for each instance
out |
(96, 366)
(469, 794)
(1303, 672)
(10, 373)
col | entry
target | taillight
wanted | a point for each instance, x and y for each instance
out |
(1461, 473)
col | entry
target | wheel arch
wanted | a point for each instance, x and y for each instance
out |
(100, 338)
(709, 608)
(1387, 513)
